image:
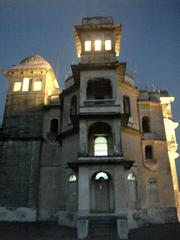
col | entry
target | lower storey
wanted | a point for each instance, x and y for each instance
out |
(94, 224)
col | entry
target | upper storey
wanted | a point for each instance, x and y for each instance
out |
(33, 75)
(97, 40)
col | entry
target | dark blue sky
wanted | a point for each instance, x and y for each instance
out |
(150, 38)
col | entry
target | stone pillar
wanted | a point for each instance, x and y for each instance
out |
(83, 200)
(82, 227)
(121, 202)
(119, 188)
(122, 227)
(84, 193)
(83, 145)
(117, 138)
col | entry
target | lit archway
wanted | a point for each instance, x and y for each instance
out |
(100, 140)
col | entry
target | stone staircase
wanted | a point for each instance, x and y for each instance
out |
(102, 228)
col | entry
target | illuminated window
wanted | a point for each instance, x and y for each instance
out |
(97, 45)
(101, 175)
(72, 178)
(108, 45)
(37, 85)
(87, 46)
(100, 146)
(25, 86)
(17, 87)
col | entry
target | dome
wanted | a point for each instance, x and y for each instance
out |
(34, 61)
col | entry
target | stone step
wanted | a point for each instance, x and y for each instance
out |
(103, 238)
(102, 228)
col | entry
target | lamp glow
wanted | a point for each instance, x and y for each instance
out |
(17, 87)
(87, 46)
(97, 45)
(108, 45)
(37, 85)
(25, 84)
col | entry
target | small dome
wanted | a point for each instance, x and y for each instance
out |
(34, 61)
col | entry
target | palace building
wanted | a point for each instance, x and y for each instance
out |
(99, 155)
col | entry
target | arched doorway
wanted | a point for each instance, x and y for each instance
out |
(101, 193)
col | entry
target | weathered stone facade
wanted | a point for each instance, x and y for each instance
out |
(101, 151)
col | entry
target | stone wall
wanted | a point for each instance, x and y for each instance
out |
(19, 173)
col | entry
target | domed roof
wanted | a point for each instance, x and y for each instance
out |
(34, 61)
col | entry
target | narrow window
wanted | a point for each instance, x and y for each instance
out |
(100, 146)
(108, 45)
(37, 85)
(132, 187)
(25, 86)
(17, 87)
(126, 105)
(148, 152)
(73, 108)
(97, 45)
(87, 46)
(54, 126)
(152, 190)
(72, 192)
(145, 124)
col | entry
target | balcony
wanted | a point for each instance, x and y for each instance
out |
(109, 158)
(100, 106)
(54, 100)
(100, 160)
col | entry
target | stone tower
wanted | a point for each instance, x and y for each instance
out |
(31, 83)
(101, 164)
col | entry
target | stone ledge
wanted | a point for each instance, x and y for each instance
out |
(21, 214)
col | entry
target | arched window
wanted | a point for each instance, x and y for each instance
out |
(54, 125)
(126, 105)
(132, 187)
(72, 192)
(145, 124)
(152, 191)
(72, 178)
(100, 146)
(148, 152)
(100, 140)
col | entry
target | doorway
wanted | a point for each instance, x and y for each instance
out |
(101, 193)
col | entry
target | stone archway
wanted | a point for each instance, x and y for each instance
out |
(101, 193)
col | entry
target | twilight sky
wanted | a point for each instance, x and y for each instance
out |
(150, 38)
